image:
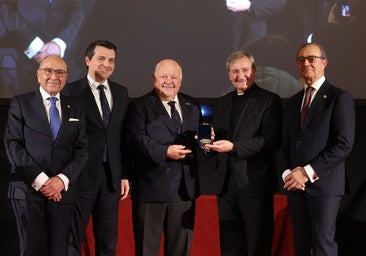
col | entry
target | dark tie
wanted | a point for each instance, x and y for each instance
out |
(306, 104)
(175, 115)
(55, 121)
(106, 111)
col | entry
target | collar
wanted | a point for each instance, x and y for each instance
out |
(175, 99)
(94, 84)
(45, 95)
(317, 84)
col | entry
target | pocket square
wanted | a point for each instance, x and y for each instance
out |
(73, 120)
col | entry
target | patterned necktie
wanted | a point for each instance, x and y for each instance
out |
(106, 111)
(55, 121)
(175, 115)
(306, 104)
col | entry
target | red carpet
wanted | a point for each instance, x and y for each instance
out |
(206, 233)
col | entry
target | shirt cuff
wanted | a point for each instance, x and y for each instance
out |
(39, 181)
(65, 180)
(61, 44)
(285, 173)
(311, 173)
(34, 47)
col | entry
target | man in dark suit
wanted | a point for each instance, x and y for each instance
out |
(249, 19)
(46, 159)
(318, 135)
(160, 129)
(247, 125)
(36, 29)
(103, 182)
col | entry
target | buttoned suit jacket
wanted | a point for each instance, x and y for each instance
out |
(24, 20)
(150, 131)
(255, 137)
(251, 25)
(98, 136)
(31, 150)
(324, 141)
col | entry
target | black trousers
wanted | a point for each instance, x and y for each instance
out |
(246, 222)
(314, 223)
(100, 202)
(174, 218)
(41, 223)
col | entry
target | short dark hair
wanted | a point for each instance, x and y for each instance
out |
(323, 53)
(90, 49)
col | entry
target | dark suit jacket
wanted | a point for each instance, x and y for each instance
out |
(150, 131)
(26, 19)
(324, 141)
(255, 137)
(31, 150)
(98, 136)
(251, 25)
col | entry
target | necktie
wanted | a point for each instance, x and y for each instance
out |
(106, 112)
(306, 104)
(55, 121)
(175, 115)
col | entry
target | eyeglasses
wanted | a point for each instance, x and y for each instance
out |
(49, 72)
(310, 58)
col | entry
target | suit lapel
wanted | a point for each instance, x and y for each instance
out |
(318, 102)
(66, 112)
(186, 108)
(41, 114)
(91, 110)
(116, 108)
(158, 107)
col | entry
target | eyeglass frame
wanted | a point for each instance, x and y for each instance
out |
(310, 58)
(60, 73)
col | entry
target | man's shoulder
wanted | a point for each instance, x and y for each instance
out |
(75, 87)
(332, 92)
(188, 98)
(262, 92)
(117, 86)
(24, 96)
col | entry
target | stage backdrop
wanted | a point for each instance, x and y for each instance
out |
(198, 34)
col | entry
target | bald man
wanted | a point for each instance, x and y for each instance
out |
(47, 147)
(160, 128)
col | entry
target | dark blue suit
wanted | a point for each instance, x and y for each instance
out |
(31, 150)
(100, 182)
(248, 26)
(155, 178)
(324, 141)
(24, 20)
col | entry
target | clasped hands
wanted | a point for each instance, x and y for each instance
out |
(296, 179)
(52, 188)
(238, 5)
(50, 48)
